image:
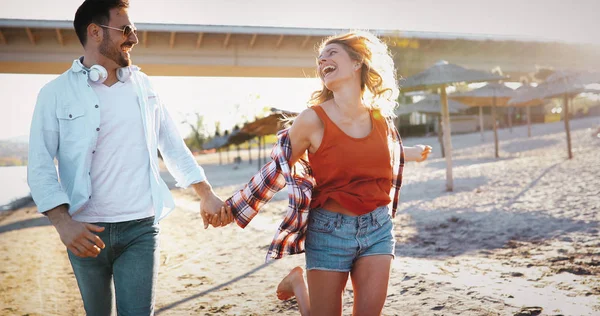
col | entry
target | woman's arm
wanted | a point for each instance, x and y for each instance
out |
(306, 131)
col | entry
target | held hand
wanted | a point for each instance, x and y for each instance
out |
(226, 215)
(210, 204)
(79, 239)
(223, 218)
(210, 207)
(424, 152)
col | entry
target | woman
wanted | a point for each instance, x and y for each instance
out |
(339, 191)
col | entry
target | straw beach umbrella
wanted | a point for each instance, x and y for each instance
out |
(432, 105)
(565, 84)
(217, 143)
(439, 76)
(522, 90)
(268, 125)
(492, 94)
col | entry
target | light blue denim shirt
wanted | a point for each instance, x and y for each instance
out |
(64, 127)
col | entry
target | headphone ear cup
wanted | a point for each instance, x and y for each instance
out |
(123, 74)
(97, 74)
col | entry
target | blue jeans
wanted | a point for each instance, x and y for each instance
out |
(335, 241)
(130, 259)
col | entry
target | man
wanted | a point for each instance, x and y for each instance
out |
(104, 123)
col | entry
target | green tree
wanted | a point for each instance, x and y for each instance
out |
(218, 128)
(198, 136)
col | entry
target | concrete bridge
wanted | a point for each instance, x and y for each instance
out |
(48, 47)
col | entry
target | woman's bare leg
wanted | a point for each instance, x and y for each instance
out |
(326, 289)
(370, 276)
(293, 285)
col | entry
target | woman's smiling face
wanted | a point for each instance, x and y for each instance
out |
(335, 65)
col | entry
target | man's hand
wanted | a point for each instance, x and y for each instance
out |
(211, 206)
(78, 237)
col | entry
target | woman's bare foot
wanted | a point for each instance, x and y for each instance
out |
(285, 289)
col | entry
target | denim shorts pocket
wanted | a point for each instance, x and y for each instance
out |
(382, 219)
(320, 225)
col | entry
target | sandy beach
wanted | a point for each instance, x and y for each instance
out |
(519, 235)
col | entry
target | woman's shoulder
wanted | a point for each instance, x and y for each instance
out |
(309, 117)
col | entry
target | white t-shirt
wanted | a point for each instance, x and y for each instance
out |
(120, 169)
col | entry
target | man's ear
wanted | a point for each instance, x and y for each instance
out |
(94, 33)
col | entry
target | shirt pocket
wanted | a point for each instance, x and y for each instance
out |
(72, 123)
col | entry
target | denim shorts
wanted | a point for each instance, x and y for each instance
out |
(335, 241)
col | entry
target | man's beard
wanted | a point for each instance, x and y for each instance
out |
(109, 51)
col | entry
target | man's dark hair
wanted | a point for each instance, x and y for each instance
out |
(94, 11)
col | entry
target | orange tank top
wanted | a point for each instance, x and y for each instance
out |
(354, 172)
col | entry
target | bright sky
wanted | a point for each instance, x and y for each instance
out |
(569, 21)
(215, 98)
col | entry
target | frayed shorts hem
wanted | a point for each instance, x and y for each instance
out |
(326, 269)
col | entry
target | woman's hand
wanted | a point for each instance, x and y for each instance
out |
(419, 153)
(424, 152)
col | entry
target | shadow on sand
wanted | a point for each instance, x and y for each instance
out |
(452, 232)
(28, 223)
(166, 308)
(517, 146)
(455, 231)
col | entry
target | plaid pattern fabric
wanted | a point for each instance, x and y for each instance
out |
(275, 175)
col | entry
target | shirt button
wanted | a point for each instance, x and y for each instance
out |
(96, 106)
(70, 116)
(97, 129)
(85, 73)
(90, 196)
(93, 151)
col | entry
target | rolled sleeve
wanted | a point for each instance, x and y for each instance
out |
(195, 176)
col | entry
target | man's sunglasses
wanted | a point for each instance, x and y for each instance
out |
(127, 29)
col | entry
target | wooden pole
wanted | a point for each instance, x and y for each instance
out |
(481, 122)
(220, 158)
(440, 135)
(228, 158)
(264, 149)
(259, 153)
(528, 121)
(495, 127)
(250, 151)
(567, 128)
(447, 139)
(510, 118)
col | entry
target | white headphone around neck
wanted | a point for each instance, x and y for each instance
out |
(98, 74)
